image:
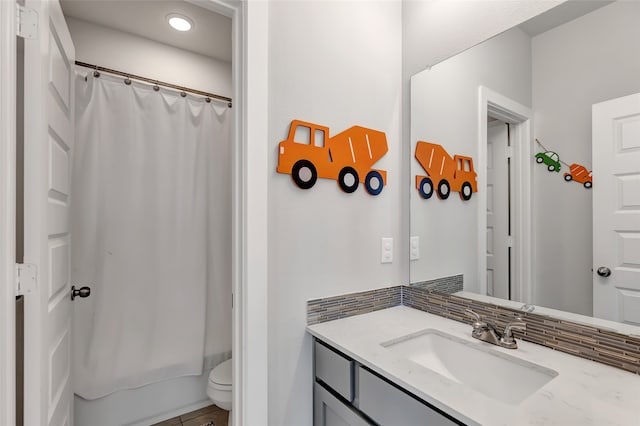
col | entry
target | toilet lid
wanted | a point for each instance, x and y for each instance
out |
(221, 375)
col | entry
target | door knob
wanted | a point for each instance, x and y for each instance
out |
(80, 292)
(603, 271)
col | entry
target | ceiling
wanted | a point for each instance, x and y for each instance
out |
(210, 36)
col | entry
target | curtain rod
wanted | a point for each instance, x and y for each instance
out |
(159, 83)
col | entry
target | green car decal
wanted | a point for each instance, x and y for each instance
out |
(551, 159)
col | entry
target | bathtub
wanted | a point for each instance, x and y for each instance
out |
(148, 404)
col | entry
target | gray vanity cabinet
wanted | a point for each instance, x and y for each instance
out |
(385, 404)
(333, 389)
(348, 394)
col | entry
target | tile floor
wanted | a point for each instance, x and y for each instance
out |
(199, 417)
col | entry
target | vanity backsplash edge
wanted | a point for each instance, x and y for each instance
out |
(603, 346)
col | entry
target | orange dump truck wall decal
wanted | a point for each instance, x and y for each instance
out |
(444, 173)
(346, 157)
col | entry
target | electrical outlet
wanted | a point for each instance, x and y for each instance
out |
(414, 248)
(386, 250)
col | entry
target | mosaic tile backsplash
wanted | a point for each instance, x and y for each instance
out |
(604, 346)
(447, 285)
(347, 305)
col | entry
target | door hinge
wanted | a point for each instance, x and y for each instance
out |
(26, 22)
(26, 278)
(509, 241)
(509, 151)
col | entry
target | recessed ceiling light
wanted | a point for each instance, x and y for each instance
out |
(179, 22)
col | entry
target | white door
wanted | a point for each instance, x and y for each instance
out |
(498, 210)
(616, 209)
(48, 143)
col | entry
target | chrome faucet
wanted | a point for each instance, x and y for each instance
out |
(485, 331)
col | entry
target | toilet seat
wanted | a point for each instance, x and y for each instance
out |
(219, 387)
(220, 376)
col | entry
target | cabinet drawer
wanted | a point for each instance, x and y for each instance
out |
(334, 370)
(330, 411)
(389, 406)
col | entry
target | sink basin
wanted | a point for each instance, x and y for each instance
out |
(497, 375)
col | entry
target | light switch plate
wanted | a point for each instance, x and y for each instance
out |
(414, 248)
(386, 250)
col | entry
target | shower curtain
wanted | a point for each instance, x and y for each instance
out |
(144, 188)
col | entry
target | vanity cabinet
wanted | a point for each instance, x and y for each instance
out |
(346, 393)
(330, 411)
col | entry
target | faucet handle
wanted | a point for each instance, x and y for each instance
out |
(514, 325)
(478, 322)
(507, 339)
(473, 314)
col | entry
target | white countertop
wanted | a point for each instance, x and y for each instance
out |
(584, 392)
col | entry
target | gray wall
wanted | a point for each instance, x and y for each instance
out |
(337, 64)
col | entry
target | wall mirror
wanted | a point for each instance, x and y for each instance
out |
(528, 234)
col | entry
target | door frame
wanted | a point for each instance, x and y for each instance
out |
(250, 169)
(250, 182)
(8, 61)
(250, 187)
(490, 125)
(520, 117)
(249, 198)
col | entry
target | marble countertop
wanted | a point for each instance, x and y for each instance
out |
(584, 392)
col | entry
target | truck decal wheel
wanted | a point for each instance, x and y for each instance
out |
(426, 188)
(373, 182)
(567, 177)
(443, 189)
(466, 191)
(588, 184)
(304, 174)
(348, 179)
(551, 168)
(539, 160)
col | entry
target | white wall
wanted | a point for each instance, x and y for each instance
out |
(591, 59)
(445, 110)
(126, 52)
(337, 64)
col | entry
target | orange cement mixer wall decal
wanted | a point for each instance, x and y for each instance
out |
(346, 157)
(444, 173)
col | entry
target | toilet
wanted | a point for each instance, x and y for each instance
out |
(219, 386)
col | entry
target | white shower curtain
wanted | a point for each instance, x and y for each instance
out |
(142, 178)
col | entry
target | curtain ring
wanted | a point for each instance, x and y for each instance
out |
(96, 73)
(156, 87)
(207, 100)
(183, 94)
(127, 81)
